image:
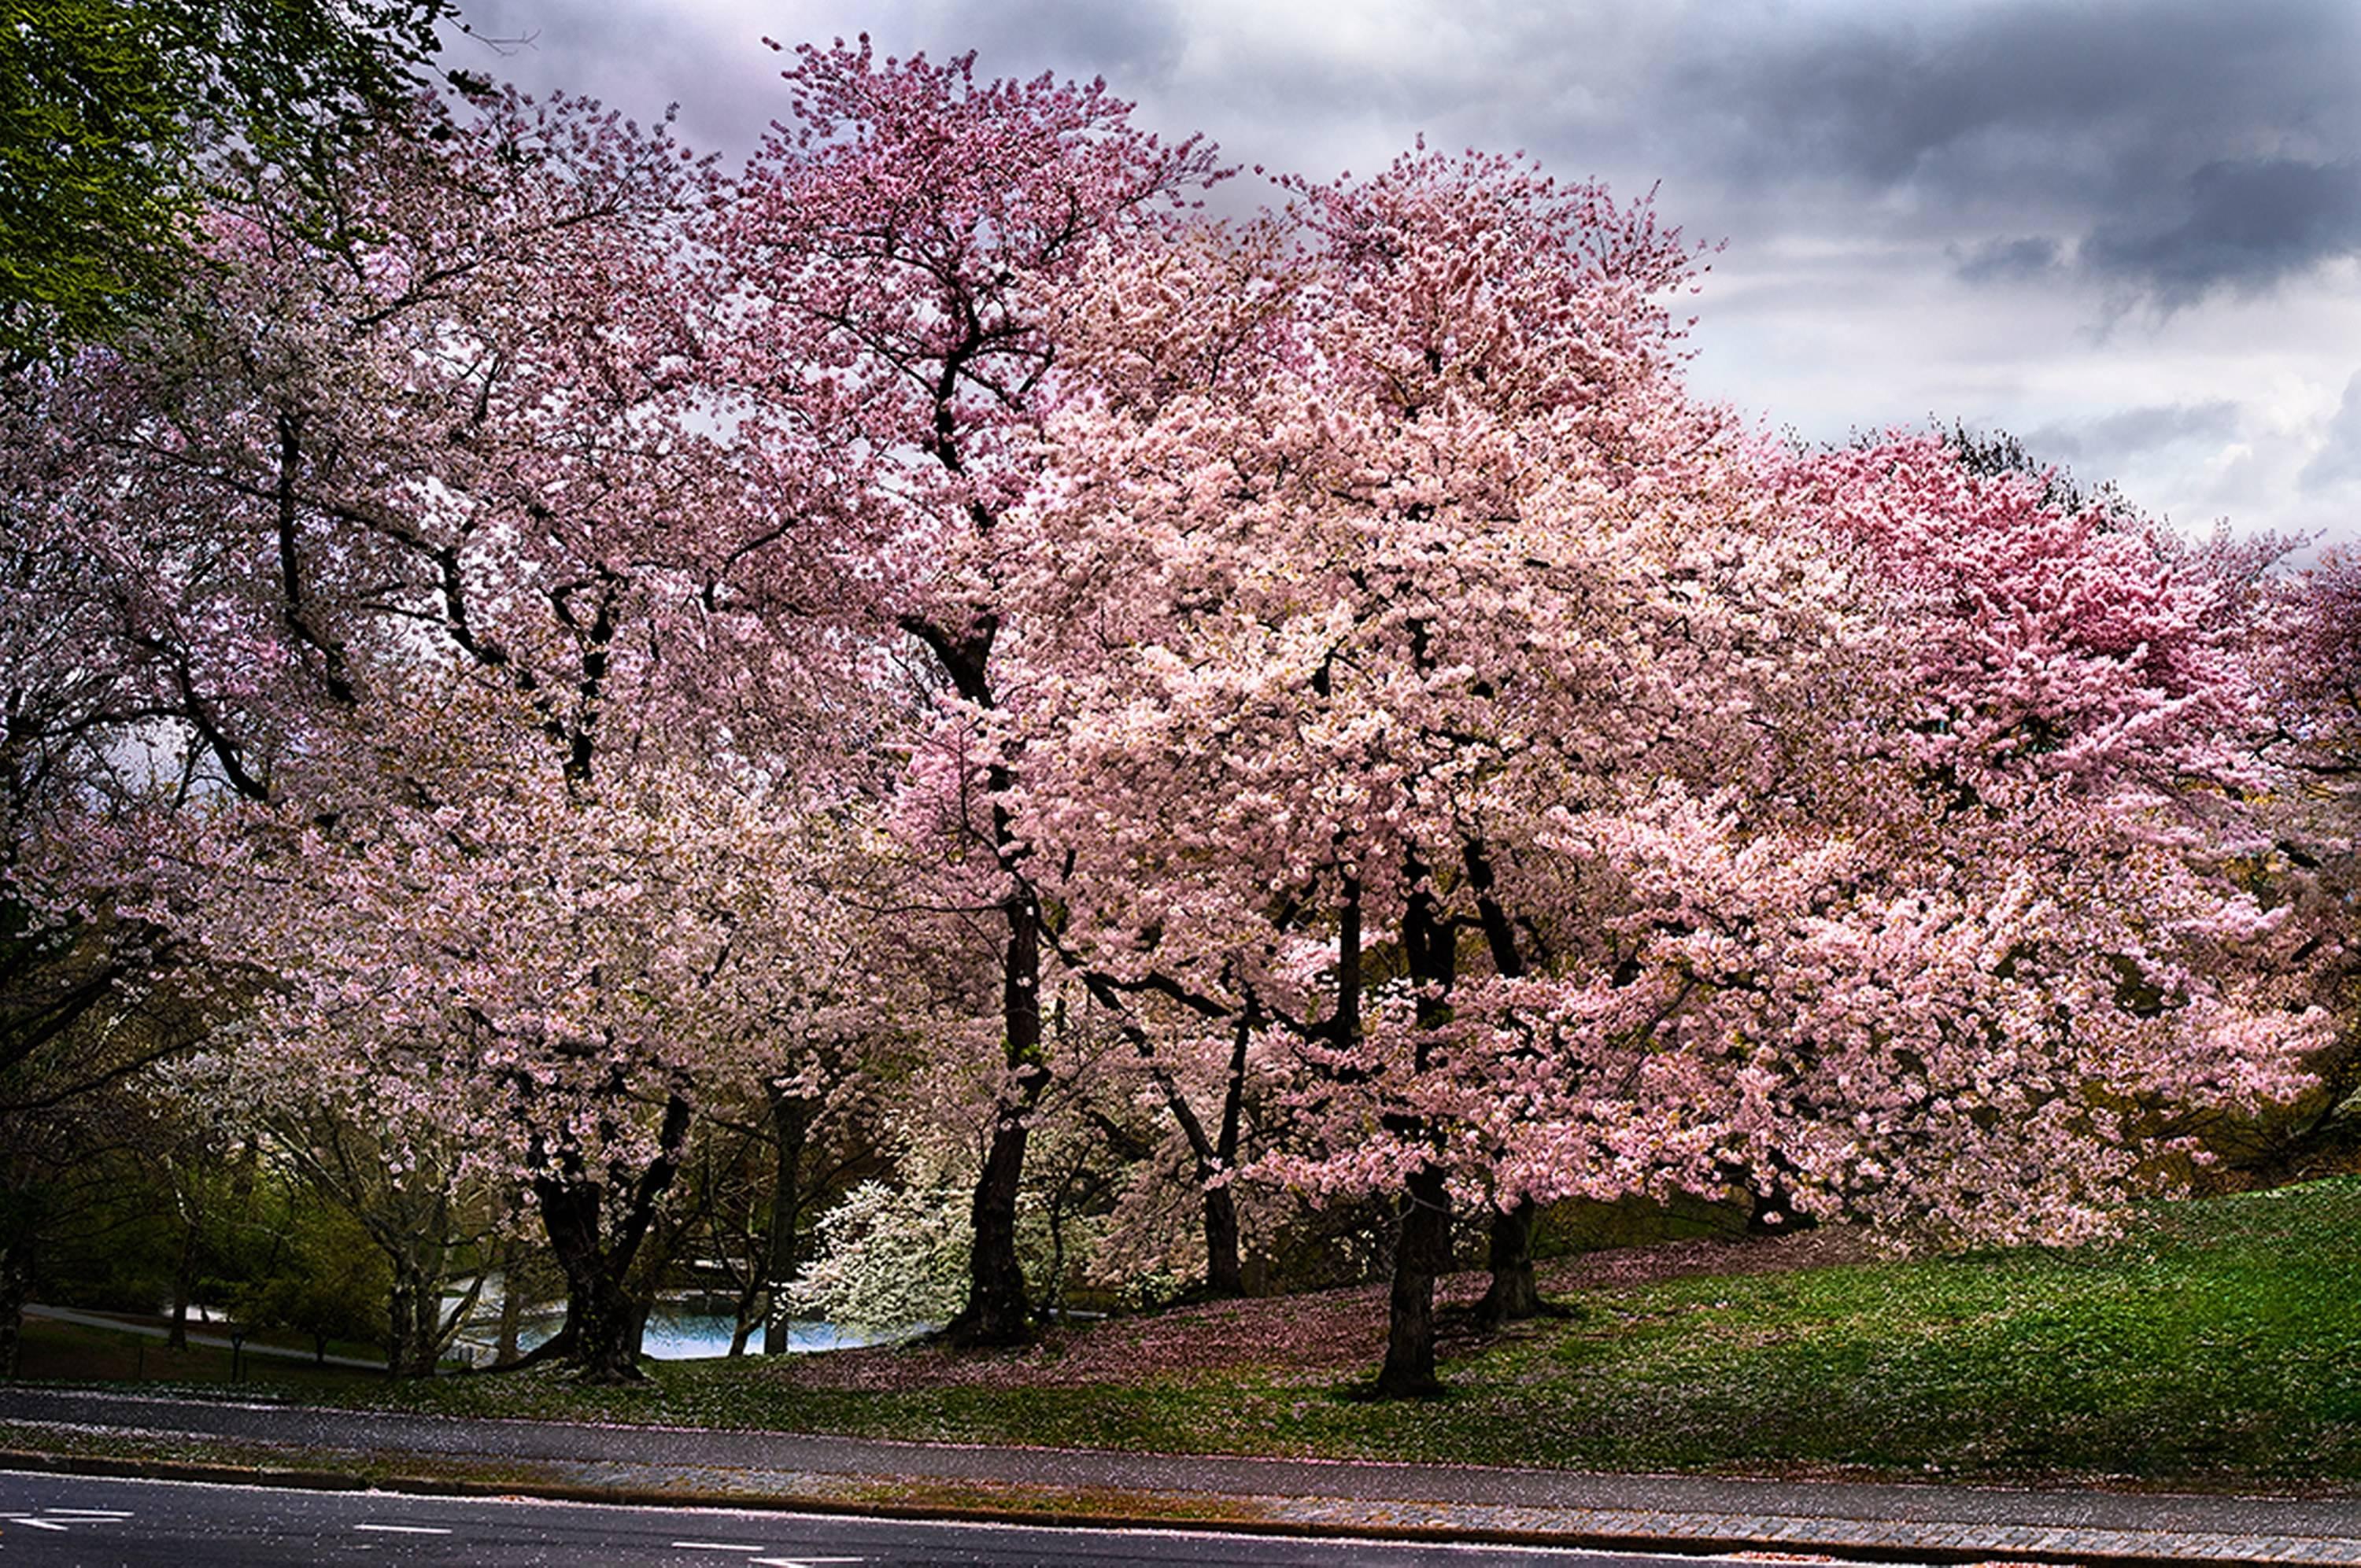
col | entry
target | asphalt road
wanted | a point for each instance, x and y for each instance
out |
(657, 1448)
(93, 1522)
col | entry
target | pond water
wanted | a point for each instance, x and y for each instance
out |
(676, 1334)
(683, 1330)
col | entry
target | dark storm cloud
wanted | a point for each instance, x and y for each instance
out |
(2167, 149)
(2247, 225)
(2181, 146)
(1924, 202)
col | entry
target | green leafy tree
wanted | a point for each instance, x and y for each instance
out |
(323, 1279)
(112, 113)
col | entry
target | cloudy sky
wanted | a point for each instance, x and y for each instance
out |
(2128, 230)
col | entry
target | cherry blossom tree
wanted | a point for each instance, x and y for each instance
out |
(557, 984)
(1950, 982)
(96, 980)
(636, 640)
(900, 246)
(1591, 800)
(511, 625)
(1363, 540)
(2311, 859)
(2007, 919)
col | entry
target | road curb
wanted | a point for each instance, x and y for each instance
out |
(1830, 1546)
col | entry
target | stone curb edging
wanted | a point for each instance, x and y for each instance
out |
(1682, 1535)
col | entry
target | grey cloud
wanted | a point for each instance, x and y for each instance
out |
(633, 57)
(2007, 258)
(2164, 150)
(2185, 146)
(637, 55)
(2110, 440)
(1952, 97)
(2247, 225)
(2339, 461)
(1132, 45)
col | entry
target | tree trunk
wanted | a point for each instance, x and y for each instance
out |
(1512, 1295)
(1225, 1276)
(791, 1121)
(511, 1316)
(1430, 945)
(1214, 1162)
(22, 1211)
(1423, 1252)
(184, 1285)
(400, 1317)
(598, 1312)
(605, 1315)
(1215, 1159)
(415, 1317)
(15, 1285)
(409, 1312)
(640, 1304)
(997, 1312)
(754, 1307)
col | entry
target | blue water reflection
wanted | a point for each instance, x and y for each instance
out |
(682, 1330)
(676, 1334)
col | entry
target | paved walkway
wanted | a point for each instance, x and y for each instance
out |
(215, 1342)
(642, 1464)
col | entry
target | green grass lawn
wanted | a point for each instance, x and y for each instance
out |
(2218, 1345)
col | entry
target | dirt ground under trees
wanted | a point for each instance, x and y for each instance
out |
(1341, 1331)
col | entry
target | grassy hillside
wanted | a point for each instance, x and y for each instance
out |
(2218, 1345)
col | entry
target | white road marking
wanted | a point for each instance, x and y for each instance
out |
(797, 1562)
(405, 1528)
(713, 1546)
(52, 1524)
(89, 1513)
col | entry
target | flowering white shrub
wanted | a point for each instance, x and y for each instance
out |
(889, 1257)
